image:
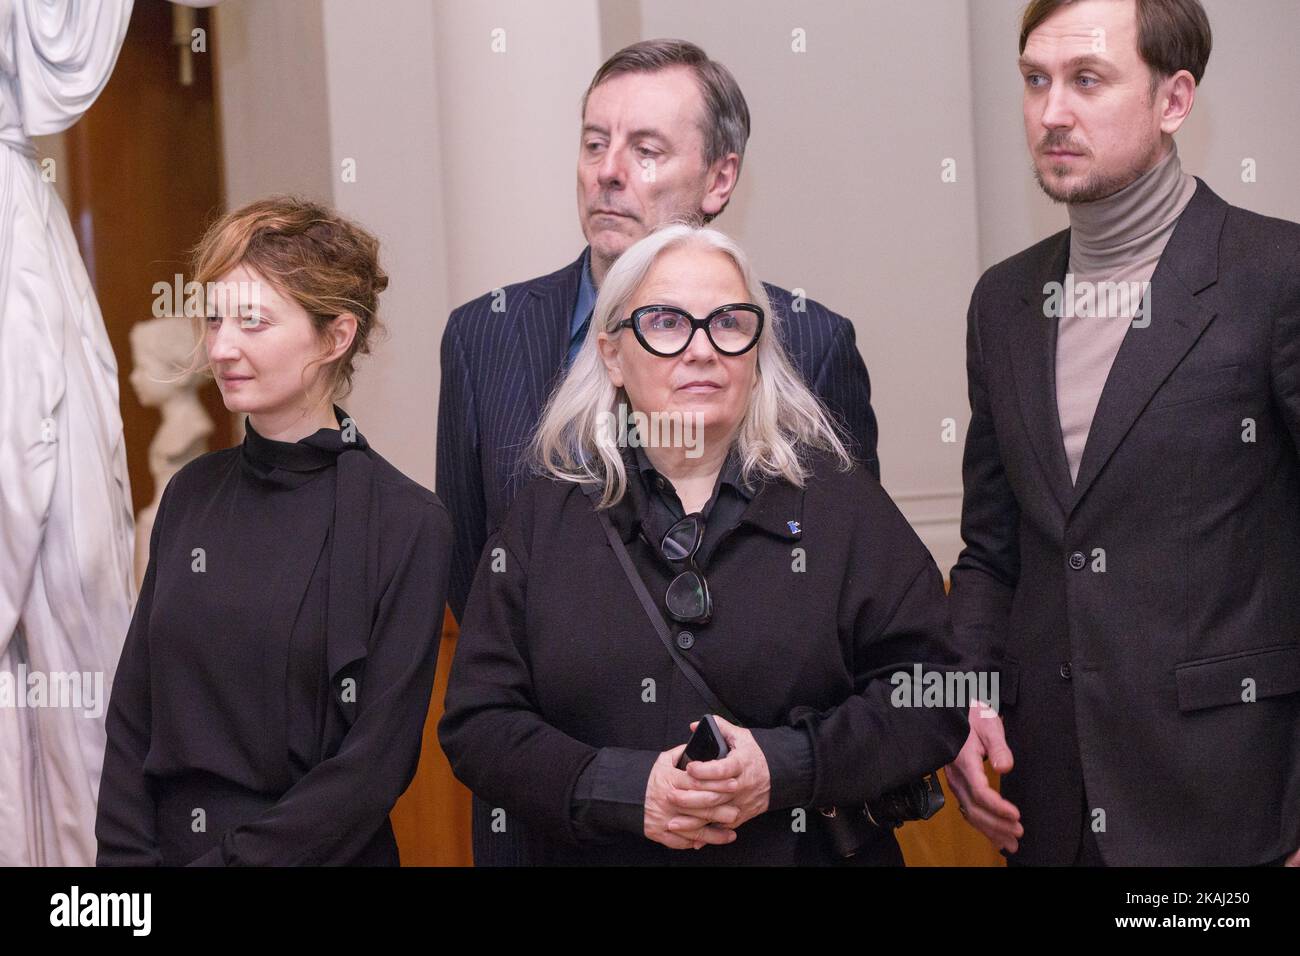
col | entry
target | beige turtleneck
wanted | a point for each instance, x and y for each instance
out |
(1117, 239)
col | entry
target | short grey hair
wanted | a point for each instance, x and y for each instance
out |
(725, 123)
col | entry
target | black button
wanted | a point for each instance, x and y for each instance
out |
(1077, 560)
(1065, 671)
(659, 483)
(686, 640)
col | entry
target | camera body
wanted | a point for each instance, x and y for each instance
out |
(851, 827)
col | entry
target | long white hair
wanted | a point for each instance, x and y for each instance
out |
(575, 442)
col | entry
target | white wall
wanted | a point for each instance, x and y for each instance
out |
(841, 195)
(385, 154)
(268, 76)
(510, 123)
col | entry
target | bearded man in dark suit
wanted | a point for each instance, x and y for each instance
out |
(1132, 484)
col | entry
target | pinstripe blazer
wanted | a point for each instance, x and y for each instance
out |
(498, 368)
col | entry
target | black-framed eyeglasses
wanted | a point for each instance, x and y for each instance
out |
(666, 330)
(688, 600)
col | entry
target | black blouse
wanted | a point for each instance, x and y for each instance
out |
(663, 507)
(270, 702)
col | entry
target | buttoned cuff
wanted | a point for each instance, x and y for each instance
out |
(609, 797)
(789, 755)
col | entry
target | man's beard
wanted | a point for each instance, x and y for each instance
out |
(1093, 188)
(1096, 186)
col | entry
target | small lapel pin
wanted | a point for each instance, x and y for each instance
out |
(793, 526)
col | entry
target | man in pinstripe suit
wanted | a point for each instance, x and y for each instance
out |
(663, 136)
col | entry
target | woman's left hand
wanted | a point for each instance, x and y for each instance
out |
(745, 765)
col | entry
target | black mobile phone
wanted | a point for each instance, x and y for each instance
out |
(707, 743)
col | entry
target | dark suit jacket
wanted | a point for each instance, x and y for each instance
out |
(1128, 682)
(499, 367)
(551, 665)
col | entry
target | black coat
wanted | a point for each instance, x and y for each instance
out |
(1127, 683)
(555, 652)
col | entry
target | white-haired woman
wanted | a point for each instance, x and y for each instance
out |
(698, 542)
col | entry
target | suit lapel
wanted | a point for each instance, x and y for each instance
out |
(1033, 362)
(542, 329)
(1188, 265)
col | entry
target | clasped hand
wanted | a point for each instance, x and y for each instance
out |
(710, 799)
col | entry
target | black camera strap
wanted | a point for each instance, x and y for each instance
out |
(657, 619)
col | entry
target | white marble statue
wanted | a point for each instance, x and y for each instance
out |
(65, 518)
(161, 352)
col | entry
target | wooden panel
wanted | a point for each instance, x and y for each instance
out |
(432, 820)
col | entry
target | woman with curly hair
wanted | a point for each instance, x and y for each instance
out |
(271, 697)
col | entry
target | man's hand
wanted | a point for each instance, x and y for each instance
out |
(672, 795)
(982, 806)
(741, 778)
(1293, 859)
